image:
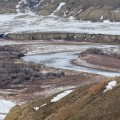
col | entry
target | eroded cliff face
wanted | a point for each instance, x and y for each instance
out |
(79, 37)
(94, 10)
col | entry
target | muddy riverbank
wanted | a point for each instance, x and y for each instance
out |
(100, 59)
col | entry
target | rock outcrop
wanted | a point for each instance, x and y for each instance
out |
(94, 10)
(80, 37)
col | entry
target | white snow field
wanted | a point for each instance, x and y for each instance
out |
(17, 23)
(5, 106)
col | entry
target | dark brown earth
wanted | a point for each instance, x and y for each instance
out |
(106, 61)
(97, 59)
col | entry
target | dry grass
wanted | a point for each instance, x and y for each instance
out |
(87, 102)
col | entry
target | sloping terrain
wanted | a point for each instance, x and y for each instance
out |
(8, 6)
(96, 101)
(105, 59)
(94, 10)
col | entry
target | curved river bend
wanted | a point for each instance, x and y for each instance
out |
(62, 60)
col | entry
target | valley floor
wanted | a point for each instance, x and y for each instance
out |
(23, 81)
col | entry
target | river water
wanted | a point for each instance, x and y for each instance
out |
(63, 60)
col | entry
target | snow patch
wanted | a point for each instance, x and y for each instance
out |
(37, 5)
(101, 18)
(80, 11)
(43, 105)
(27, 5)
(18, 6)
(5, 106)
(71, 18)
(110, 85)
(59, 7)
(65, 13)
(61, 95)
(36, 108)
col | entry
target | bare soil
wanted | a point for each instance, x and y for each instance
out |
(99, 60)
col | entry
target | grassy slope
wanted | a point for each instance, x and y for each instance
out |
(87, 102)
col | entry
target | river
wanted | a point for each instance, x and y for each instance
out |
(63, 60)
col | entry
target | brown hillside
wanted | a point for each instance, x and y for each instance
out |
(94, 10)
(88, 102)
